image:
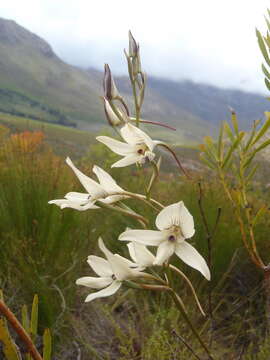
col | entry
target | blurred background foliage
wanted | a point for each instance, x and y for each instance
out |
(44, 250)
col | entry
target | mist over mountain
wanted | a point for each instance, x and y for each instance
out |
(36, 83)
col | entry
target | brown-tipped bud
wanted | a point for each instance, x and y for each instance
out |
(110, 90)
(133, 46)
(112, 118)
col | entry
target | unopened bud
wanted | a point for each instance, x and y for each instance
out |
(112, 118)
(133, 46)
(110, 90)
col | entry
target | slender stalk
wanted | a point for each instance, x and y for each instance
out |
(153, 179)
(179, 272)
(177, 160)
(153, 123)
(180, 306)
(123, 211)
(186, 344)
(141, 198)
(20, 331)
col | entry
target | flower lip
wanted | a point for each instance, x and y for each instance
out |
(172, 238)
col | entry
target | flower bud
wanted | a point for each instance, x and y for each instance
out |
(110, 90)
(133, 46)
(112, 118)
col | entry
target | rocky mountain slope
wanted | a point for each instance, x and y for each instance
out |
(36, 83)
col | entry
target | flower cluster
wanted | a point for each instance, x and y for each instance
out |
(174, 222)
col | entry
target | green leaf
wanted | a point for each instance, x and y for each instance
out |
(234, 122)
(267, 83)
(260, 213)
(34, 318)
(25, 319)
(220, 145)
(228, 131)
(47, 345)
(232, 148)
(262, 47)
(252, 173)
(265, 71)
(263, 129)
(252, 134)
(207, 162)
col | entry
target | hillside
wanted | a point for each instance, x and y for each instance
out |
(35, 83)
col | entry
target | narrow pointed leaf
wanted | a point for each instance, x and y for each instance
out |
(235, 122)
(267, 83)
(10, 349)
(25, 319)
(265, 71)
(262, 47)
(47, 345)
(252, 173)
(263, 129)
(220, 146)
(228, 131)
(34, 317)
(259, 214)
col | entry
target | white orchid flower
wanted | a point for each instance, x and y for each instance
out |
(112, 272)
(140, 255)
(175, 224)
(102, 191)
(138, 147)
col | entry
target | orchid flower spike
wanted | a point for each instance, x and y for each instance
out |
(175, 224)
(112, 272)
(138, 147)
(102, 191)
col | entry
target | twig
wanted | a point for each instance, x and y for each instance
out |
(186, 344)
(20, 331)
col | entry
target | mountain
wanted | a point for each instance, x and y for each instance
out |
(35, 83)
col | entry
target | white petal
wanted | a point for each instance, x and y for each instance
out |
(191, 257)
(106, 181)
(133, 135)
(145, 237)
(113, 198)
(110, 290)
(128, 160)
(91, 186)
(103, 248)
(140, 254)
(186, 222)
(120, 268)
(164, 251)
(81, 198)
(93, 282)
(176, 214)
(100, 266)
(64, 203)
(118, 147)
(58, 202)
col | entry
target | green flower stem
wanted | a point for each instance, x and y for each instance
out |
(134, 215)
(134, 91)
(179, 272)
(17, 327)
(153, 179)
(141, 198)
(180, 306)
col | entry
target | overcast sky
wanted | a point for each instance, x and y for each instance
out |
(210, 41)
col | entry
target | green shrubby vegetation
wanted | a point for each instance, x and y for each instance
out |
(43, 250)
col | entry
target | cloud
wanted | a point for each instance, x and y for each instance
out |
(209, 41)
